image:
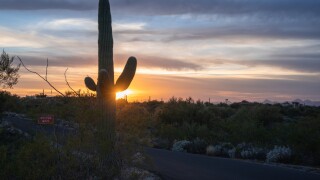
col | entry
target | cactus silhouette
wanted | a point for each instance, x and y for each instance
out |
(106, 88)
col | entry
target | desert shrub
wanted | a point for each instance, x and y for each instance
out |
(240, 147)
(304, 137)
(279, 154)
(194, 130)
(3, 161)
(185, 131)
(266, 115)
(197, 146)
(248, 125)
(232, 153)
(134, 123)
(215, 150)
(210, 150)
(168, 131)
(248, 151)
(152, 106)
(8, 102)
(36, 160)
(160, 143)
(221, 150)
(223, 111)
(179, 112)
(134, 131)
(43, 158)
(181, 146)
(226, 149)
(253, 153)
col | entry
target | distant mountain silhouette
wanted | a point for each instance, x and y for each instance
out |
(308, 102)
(303, 102)
(267, 102)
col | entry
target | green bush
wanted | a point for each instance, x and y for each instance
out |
(8, 102)
(197, 146)
(304, 137)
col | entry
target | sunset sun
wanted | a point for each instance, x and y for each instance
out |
(123, 94)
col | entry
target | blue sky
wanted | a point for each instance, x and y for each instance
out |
(235, 49)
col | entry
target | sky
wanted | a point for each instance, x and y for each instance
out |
(218, 49)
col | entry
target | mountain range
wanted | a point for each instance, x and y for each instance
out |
(303, 102)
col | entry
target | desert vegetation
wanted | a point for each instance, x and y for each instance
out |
(8, 71)
(274, 133)
(78, 153)
(271, 133)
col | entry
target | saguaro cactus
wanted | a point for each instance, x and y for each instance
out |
(106, 88)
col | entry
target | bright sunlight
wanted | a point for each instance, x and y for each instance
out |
(123, 94)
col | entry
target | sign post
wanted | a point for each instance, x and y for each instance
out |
(46, 120)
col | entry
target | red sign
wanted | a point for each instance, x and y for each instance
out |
(46, 119)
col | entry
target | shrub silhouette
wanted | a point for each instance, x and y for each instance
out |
(8, 74)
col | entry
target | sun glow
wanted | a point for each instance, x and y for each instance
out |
(124, 94)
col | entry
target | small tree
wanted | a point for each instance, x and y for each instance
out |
(8, 74)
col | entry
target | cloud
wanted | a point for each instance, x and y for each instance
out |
(246, 28)
(253, 32)
(84, 24)
(231, 7)
(74, 24)
(36, 39)
(165, 63)
(10, 39)
(60, 61)
(148, 62)
(283, 19)
(174, 7)
(300, 65)
(48, 4)
(235, 89)
(306, 63)
(119, 27)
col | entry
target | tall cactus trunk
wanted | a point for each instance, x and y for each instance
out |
(106, 88)
(105, 93)
(105, 40)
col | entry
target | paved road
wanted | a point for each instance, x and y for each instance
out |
(30, 127)
(183, 166)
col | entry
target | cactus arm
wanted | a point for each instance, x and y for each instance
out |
(127, 75)
(104, 81)
(90, 83)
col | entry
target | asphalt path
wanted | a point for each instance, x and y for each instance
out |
(183, 166)
(30, 127)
